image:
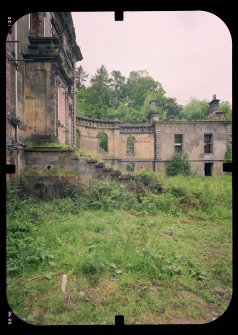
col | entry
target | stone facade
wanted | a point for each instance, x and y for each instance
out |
(156, 142)
(41, 53)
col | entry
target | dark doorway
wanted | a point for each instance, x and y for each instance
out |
(208, 169)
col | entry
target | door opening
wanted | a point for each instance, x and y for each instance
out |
(208, 169)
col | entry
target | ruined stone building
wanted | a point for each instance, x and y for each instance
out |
(41, 53)
(150, 146)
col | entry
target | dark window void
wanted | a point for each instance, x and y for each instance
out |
(130, 167)
(208, 167)
(77, 138)
(208, 143)
(178, 143)
(130, 146)
(103, 142)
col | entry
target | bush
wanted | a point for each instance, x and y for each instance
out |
(101, 194)
(147, 177)
(145, 181)
(178, 164)
(152, 203)
(228, 154)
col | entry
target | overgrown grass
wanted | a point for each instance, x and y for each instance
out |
(155, 258)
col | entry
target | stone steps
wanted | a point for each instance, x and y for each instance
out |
(90, 168)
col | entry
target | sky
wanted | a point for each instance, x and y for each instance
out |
(188, 52)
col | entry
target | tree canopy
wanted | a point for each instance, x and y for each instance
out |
(111, 95)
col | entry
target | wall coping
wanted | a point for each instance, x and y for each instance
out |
(193, 122)
(131, 125)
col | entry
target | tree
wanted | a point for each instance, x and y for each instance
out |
(119, 89)
(195, 110)
(111, 95)
(225, 108)
(99, 94)
(158, 96)
(166, 107)
(170, 107)
(178, 164)
(80, 77)
(139, 84)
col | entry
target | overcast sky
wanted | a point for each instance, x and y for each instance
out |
(188, 52)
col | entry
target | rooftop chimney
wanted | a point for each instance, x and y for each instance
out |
(214, 104)
(214, 113)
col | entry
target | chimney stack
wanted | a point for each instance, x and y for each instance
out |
(214, 113)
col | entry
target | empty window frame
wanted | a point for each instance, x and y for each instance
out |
(208, 146)
(130, 167)
(130, 146)
(178, 143)
(103, 142)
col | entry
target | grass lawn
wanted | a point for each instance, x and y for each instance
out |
(170, 264)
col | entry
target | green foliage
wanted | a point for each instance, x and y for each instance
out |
(54, 172)
(101, 194)
(111, 96)
(226, 109)
(139, 84)
(178, 164)
(228, 154)
(34, 143)
(195, 110)
(25, 249)
(147, 177)
(119, 259)
(103, 142)
(80, 77)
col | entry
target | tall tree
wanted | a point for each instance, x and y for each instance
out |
(195, 110)
(100, 93)
(139, 84)
(80, 77)
(118, 85)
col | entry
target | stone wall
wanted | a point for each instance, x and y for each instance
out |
(154, 144)
(143, 155)
(41, 53)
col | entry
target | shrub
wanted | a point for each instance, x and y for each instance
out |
(101, 194)
(147, 177)
(228, 154)
(152, 203)
(178, 164)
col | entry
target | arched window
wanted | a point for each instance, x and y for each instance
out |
(130, 145)
(77, 138)
(103, 142)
